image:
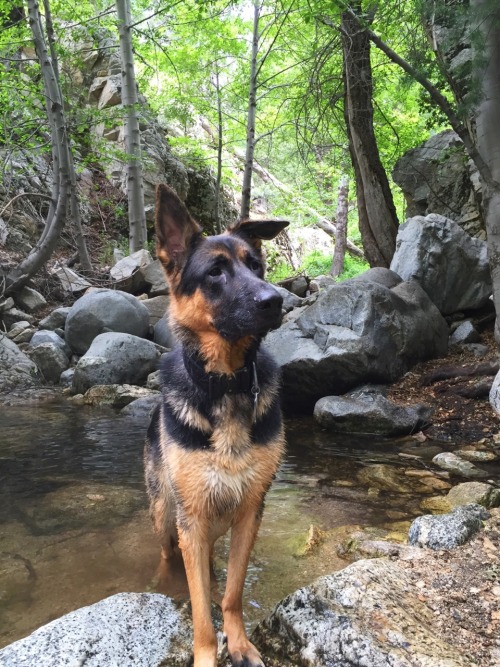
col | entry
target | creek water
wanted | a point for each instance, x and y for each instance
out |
(74, 526)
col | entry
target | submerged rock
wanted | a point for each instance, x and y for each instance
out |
(447, 531)
(474, 492)
(454, 464)
(364, 615)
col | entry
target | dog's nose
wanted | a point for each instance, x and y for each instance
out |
(269, 299)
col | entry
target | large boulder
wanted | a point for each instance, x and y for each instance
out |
(357, 332)
(437, 177)
(451, 266)
(16, 369)
(124, 629)
(367, 614)
(367, 410)
(104, 310)
(115, 358)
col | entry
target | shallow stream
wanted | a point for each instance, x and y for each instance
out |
(74, 527)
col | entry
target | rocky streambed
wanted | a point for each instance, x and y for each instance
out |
(75, 530)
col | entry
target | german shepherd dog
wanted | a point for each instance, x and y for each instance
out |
(216, 440)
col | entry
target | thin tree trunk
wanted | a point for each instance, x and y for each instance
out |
(487, 71)
(55, 112)
(220, 128)
(75, 217)
(378, 221)
(135, 189)
(341, 228)
(246, 191)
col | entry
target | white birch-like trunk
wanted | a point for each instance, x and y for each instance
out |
(135, 188)
(341, 228)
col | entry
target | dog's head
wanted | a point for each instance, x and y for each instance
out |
(217, 282)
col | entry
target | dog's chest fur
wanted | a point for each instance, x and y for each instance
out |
(217, 456)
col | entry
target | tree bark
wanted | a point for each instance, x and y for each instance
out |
(220, 128)
(246, 190)
(75, 217)
(487, 70)
(341, 228)
(61, 185)
(135, 188)
(378, 222)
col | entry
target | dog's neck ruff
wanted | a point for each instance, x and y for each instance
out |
(242, 381)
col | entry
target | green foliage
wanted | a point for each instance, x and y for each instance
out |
(316, 264)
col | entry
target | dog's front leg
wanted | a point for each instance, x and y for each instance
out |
(243, 535)
(196, 555)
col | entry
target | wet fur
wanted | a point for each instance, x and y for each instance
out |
(209, 463)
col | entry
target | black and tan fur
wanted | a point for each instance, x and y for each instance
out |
(211, 451)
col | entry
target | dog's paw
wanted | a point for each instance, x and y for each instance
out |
(245, 655)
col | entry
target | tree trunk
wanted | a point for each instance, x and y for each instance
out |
(75, 217)
(341, 228)
(135, 189)
(62, 184)
(246, 191)
(486, 62)
(378, 222)
(220, 128)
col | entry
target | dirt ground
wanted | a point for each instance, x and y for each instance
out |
(456, 418)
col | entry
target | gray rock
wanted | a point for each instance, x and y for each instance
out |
(464, 333)
(47, 336)
(437, 177)
(17, 328)
(454, 464)
(71, 282)
(30, 300)
(23, 336)
(124, 629)
(299, 286)
(127, 273)
(366, 410)
(55, 320)
(16, 368)
(157, 308)
(116, 395)
(6, 304)
(447, 531)
(154, 380)
(154, 276)
(381, 276)
(368, 614)
(289, 300)
(13, 316)
(66, 379)
(451, 266)
(479, 493)
(477, 349)
(50, 360)
(163, 334)
(356, 332)
(101, 311)
(115, 358)
(495, 394)
(142, 408)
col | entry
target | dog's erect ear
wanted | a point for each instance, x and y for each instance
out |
(256, 231)
(175, 229)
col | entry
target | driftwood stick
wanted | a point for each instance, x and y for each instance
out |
(472, 370)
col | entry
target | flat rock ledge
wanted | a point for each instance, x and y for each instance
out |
(339, 620)
(140, 629)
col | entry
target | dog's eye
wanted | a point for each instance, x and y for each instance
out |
(254, 265)
(216, 271)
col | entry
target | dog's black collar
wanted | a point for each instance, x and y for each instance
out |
(218, 385)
